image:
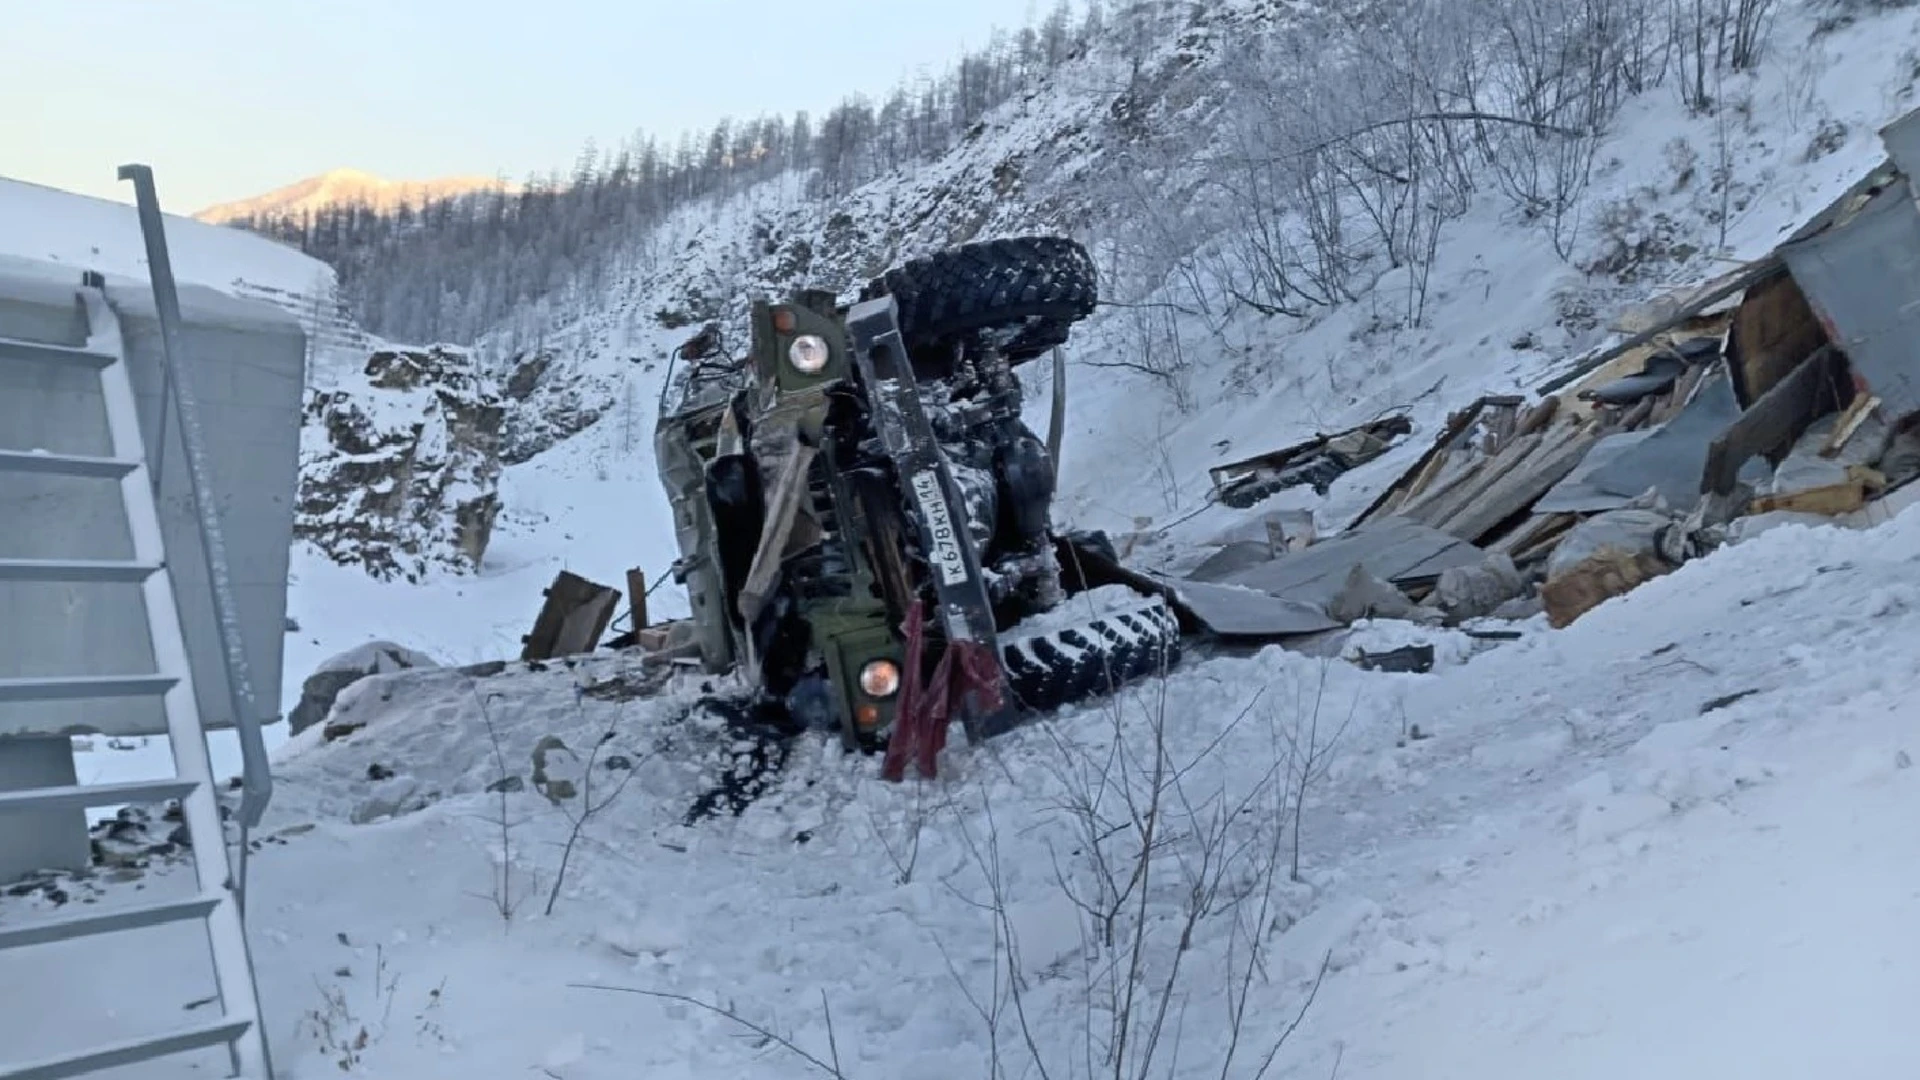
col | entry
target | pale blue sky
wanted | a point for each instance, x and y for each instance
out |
(230, 98)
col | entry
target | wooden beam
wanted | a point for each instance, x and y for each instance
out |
(1520, 488)
(1422, 507)
(1831, 500)
(1491, 471)
(1456, 423)
(1755, 272)
(637, 590)
(1850, 421)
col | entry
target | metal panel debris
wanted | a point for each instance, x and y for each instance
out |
(1397, 550)
(1670, 460)
(1863, 278)
(1315, 463)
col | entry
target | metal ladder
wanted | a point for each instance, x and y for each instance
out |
(217, 902)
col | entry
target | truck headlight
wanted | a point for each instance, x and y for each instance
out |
(809, 354)
(880, 679)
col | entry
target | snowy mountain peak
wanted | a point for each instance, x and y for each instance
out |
(343, 187)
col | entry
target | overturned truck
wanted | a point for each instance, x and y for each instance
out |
(865, 519)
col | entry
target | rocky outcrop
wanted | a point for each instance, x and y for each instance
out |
(323, 687)
(400, 473)
(546, 404)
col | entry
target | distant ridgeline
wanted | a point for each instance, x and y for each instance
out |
(459, 266)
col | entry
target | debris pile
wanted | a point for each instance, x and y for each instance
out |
(1315, 463)
(1787, 390)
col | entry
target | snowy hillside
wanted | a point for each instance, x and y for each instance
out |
(1159, 390)
(1667, 841)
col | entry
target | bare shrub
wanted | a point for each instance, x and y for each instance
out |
(1633, 243)
(507, 894)
(350, 1021)
(1174, 863)
(1150, 344)
(582, 810)
(1712, 37)
(764, 1035)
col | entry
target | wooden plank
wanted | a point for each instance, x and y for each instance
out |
(1773, 330)
(554, 629)
(1543, 544)
(1831, 500)
(1850, 421)
(1770, 424)
(1538, 417)
(1883, 509)
(1465, 461)
(1447, 469)
(637, 589)
(1456, 423)
(580, 631)
(1739, 281)
(1500, 427)
(1520, 488)
(1524, 533)
(1426, 474)
(1633, 418)
(1491, 472)
(1422, 508)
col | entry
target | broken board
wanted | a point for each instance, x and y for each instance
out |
(571, 621)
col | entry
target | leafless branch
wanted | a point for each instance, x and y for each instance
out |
(830, 1068)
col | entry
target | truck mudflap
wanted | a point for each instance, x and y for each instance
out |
(963, 608)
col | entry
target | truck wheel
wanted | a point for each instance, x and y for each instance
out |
(1035, 286)
(1051, 666)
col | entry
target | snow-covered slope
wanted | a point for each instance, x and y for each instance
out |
(1503, 309)
(1670, 841)
(1667, 841)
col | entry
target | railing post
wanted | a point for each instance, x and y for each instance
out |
(256, 774)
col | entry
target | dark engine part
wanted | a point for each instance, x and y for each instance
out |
(739, 507)
(781, 640)
(1026, 486)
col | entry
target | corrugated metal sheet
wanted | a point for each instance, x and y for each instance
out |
(1394, 549)
(1862, 278)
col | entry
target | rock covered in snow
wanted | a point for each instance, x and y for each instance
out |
(400, 473)
(547, 404)
(323, 687)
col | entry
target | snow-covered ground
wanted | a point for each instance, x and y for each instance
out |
(1552, 857)
(1585, 864)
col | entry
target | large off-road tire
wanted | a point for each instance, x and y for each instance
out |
(1037, 286)
(1050, 665)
